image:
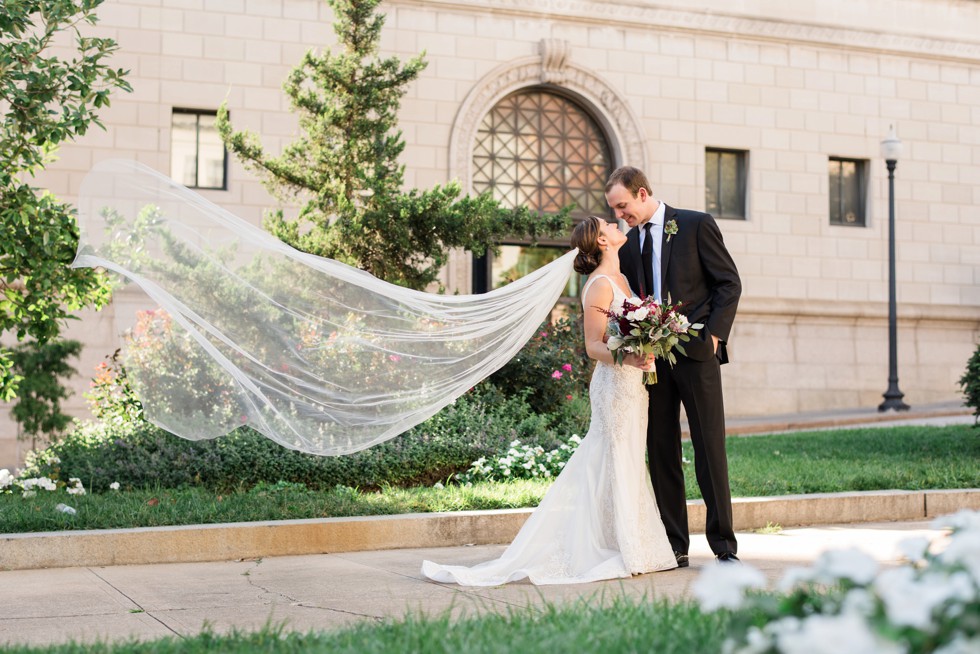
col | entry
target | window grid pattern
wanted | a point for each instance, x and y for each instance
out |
(542, 150)
(538, 149)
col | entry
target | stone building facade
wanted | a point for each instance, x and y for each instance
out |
(795, 91)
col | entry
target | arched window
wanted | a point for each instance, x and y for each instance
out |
(541, 149)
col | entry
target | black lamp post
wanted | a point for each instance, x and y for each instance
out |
(891, 148)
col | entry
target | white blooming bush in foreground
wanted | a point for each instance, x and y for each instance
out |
(843, 603)
(29, 487)
(522, 462)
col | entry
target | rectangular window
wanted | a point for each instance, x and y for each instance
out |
(198, 158)
(724, 183)
(848, 189)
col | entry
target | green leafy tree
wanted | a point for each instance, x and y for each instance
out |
(46, 98)
(970, 384)
(38, 408)
(344, 169)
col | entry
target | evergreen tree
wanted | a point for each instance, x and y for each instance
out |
(344, 169)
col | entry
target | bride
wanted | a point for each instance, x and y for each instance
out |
(599, 520)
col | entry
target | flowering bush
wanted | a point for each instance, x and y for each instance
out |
(522, 462)
(844, 604)
(29, 485)
(551, 369)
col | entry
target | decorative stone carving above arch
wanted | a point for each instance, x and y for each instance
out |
(550, 70)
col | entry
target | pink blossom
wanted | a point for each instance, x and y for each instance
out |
(567, 367)
(394, 357)
(543, 334)
(568, 397)
(556, 374)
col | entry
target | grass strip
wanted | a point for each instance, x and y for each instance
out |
(596, 624)
(909, 458)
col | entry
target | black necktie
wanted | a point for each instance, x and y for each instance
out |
(646, 259)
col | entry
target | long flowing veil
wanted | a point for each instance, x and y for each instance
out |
(314, 354)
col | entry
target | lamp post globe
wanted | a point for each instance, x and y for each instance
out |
(891, 150)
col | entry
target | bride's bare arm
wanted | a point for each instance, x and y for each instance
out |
(600, 294)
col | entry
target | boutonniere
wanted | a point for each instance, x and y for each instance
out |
(670, 229)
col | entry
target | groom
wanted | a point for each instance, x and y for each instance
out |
(679, 254)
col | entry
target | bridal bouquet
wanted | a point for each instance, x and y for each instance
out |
(647, 327)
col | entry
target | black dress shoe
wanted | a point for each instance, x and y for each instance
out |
(682, 560)
(727, 557)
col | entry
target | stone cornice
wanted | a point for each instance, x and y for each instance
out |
(632, 14)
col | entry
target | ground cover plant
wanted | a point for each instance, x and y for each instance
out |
(809, 462)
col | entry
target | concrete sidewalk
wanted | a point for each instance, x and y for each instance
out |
(326, 591)
(372, 569)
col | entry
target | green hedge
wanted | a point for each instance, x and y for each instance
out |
(140, 455)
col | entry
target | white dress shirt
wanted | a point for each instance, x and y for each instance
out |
(657, 234)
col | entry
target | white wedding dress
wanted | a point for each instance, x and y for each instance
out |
(599, 520)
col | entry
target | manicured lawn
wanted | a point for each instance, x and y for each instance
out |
(619, 625)
(812, 462)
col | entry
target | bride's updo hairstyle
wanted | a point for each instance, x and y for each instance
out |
(585, 237)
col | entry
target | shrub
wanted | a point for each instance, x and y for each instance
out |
(970, 383)
(140, 455)
(551, 368)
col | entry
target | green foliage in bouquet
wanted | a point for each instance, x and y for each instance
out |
(970, 383)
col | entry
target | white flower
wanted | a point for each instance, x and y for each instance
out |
(635, 301)
(911, 602)
(638, 314)
(29, 493)
(914, 549)
(964, 550)
(859, 602)
(724, 586)
(850, 564)
(614, 342)
(6, 479)
(793, 577)
(960, 645)
(832, 634)
(114, 485)
(75, 486)
(961, 520)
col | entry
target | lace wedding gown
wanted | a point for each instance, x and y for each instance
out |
(599, 520)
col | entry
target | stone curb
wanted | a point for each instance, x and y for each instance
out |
(245, 540)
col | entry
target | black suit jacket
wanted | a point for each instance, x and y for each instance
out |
(696, 269)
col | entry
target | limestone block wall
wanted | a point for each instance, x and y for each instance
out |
(791, 83)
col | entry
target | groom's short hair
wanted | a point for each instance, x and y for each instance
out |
(631, 178)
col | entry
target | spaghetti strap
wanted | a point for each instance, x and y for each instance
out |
(617, 291)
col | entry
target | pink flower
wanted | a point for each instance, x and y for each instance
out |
(568, 397)
(394, 357)
(567, 367)
(556, 374)
(543, 334)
